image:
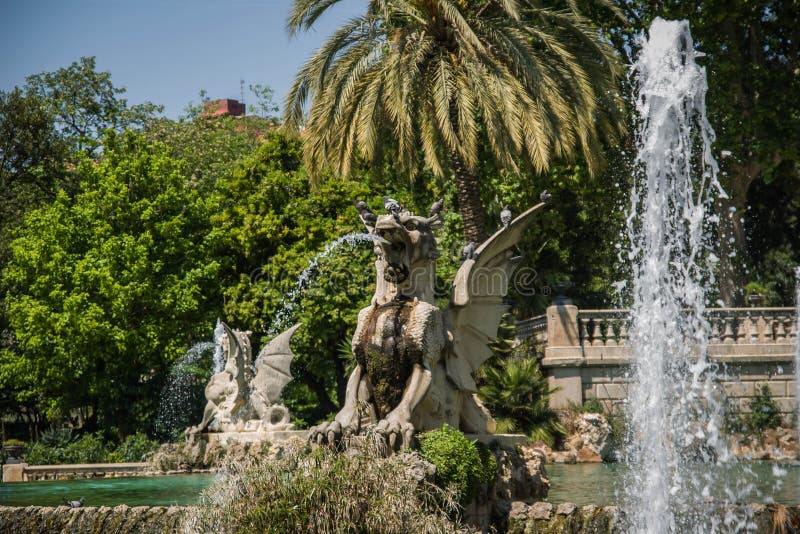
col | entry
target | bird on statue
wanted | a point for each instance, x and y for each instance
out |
(74, 504)
(365, 214)
(436, 208)
(468, 252)
(505, 217)
(392, 206)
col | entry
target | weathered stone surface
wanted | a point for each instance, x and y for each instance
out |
(596, 434)
(521, 475)
(541, 510)
(566, 508)
(119, 519)
(587, 455)
(519, 511)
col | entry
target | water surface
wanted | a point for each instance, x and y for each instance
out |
(133, 491)
(601, 484)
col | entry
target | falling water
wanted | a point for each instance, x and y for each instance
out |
(218, 358)
(286, 312)
(178, 397)
(673, 408)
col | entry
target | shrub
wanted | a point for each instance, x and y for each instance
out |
(56, 437)
(764, 412)
(88, 449)
(41, 454)
(134, 449)
(14, 443)
(305, 488)
(459, 462)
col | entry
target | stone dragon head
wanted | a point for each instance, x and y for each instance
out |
(407, 251)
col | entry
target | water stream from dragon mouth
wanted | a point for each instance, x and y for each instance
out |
(285, 316)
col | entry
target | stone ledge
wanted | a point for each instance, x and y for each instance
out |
(25, 473)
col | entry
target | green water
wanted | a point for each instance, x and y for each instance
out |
(601, 484)
(133, 491)
(581, 484)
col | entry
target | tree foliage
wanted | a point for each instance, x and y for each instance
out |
(211, 147)
(84, 103)
(106, 291)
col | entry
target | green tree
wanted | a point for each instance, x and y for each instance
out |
(210, 146)
(441, 78)
(265, 105)
(84, 103)
(105, 291)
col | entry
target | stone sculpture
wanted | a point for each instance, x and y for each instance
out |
(415, 361)
(245, 395)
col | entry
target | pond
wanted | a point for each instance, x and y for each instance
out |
(580, 483)
(133, 491)
(601, 484)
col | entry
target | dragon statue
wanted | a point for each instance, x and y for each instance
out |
(415, 361)
(245, 395)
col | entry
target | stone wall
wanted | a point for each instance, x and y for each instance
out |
(587, 353)
(119, 519)
(567, 518)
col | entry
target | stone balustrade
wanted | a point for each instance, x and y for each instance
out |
(587, 352)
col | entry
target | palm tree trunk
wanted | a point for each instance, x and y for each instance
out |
(470, 206)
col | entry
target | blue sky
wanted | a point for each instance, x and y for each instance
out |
(164, 51)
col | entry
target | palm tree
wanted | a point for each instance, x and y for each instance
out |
(428, 81)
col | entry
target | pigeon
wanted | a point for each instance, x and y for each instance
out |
(365, 214)
(505, 217)
(74, 504)
(436, 208)
(392, 206)
(468, 252)
(545, 196)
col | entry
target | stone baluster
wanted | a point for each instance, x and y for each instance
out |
(714, 337)
(780, 330)
(761, 328)
(743, 329)
(623, 332)
(583, 330)
(611, 337)
(752, 330)
(792, 335)
(597, 334)
(727, 336)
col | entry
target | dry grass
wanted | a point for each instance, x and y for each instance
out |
(304, 488)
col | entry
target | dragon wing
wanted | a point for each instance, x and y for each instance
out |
(476, 303)
(272, 365)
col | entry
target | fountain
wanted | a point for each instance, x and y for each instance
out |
(175, 405)
(674, 408)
